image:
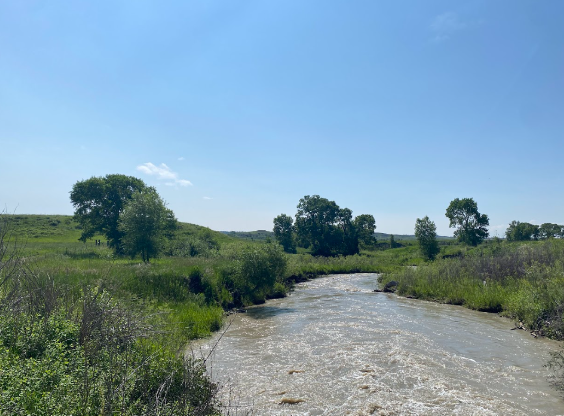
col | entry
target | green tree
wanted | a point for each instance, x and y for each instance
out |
(365, 227)
(345, 235)
(550, 230)
(145, 222)
(284, 232)
(315, 224)
(472, 226)
(521, 231)
(329, 230)
(426, 233)
(392, 241)
(98, 203)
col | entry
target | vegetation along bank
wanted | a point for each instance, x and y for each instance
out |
(97, 308)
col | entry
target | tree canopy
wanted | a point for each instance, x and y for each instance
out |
(98, 203)
(471, 225)
(329, 230)
(426, 233)
(365, 226)
(521, 231)
(144, 223)
(284, 232)
(550, 230)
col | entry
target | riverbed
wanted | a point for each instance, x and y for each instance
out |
(335, 347)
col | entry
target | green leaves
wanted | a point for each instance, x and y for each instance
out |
(258, 269)
(330, 230)
(472, 226)
(98, 203)
(426, 233)
(284, 232)
(144, 222)
(521, 231)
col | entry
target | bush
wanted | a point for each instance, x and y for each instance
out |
(257, 270)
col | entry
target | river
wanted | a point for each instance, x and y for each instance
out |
(340, 349)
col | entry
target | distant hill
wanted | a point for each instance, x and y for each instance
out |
(397, 237)
(261, 235)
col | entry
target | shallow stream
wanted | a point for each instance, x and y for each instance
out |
(338, 348)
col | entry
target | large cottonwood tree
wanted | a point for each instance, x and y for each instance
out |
(98, 203)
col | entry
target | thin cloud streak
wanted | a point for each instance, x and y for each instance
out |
(163, 172)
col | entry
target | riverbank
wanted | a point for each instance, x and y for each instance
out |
(62, 300)
(522, 281)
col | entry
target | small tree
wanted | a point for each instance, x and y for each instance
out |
(144, 223)
(425, 231)
(472, 226)
(284, 232)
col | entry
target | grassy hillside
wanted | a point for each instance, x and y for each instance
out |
(63, 229)
(259, 235)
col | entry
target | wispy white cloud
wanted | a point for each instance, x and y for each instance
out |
(207, 198)
(445, 25)
(181, 158)
(184, 182)
(163, 172)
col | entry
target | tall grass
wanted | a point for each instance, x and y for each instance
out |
(522, 281)
(70, 346)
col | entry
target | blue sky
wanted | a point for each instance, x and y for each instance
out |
(236, 110)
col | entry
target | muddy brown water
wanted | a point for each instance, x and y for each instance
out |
(333, 347)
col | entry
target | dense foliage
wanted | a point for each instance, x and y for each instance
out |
(524, 231)
(144, 223)
(426, 233)
(521, 231)
(284, 232)
(326, 229)
(98, 203)
(75, 349)
(471, 226)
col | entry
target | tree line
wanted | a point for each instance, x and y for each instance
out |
(325, 228)
(524, 231)
(136, 221)
(329, 230)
